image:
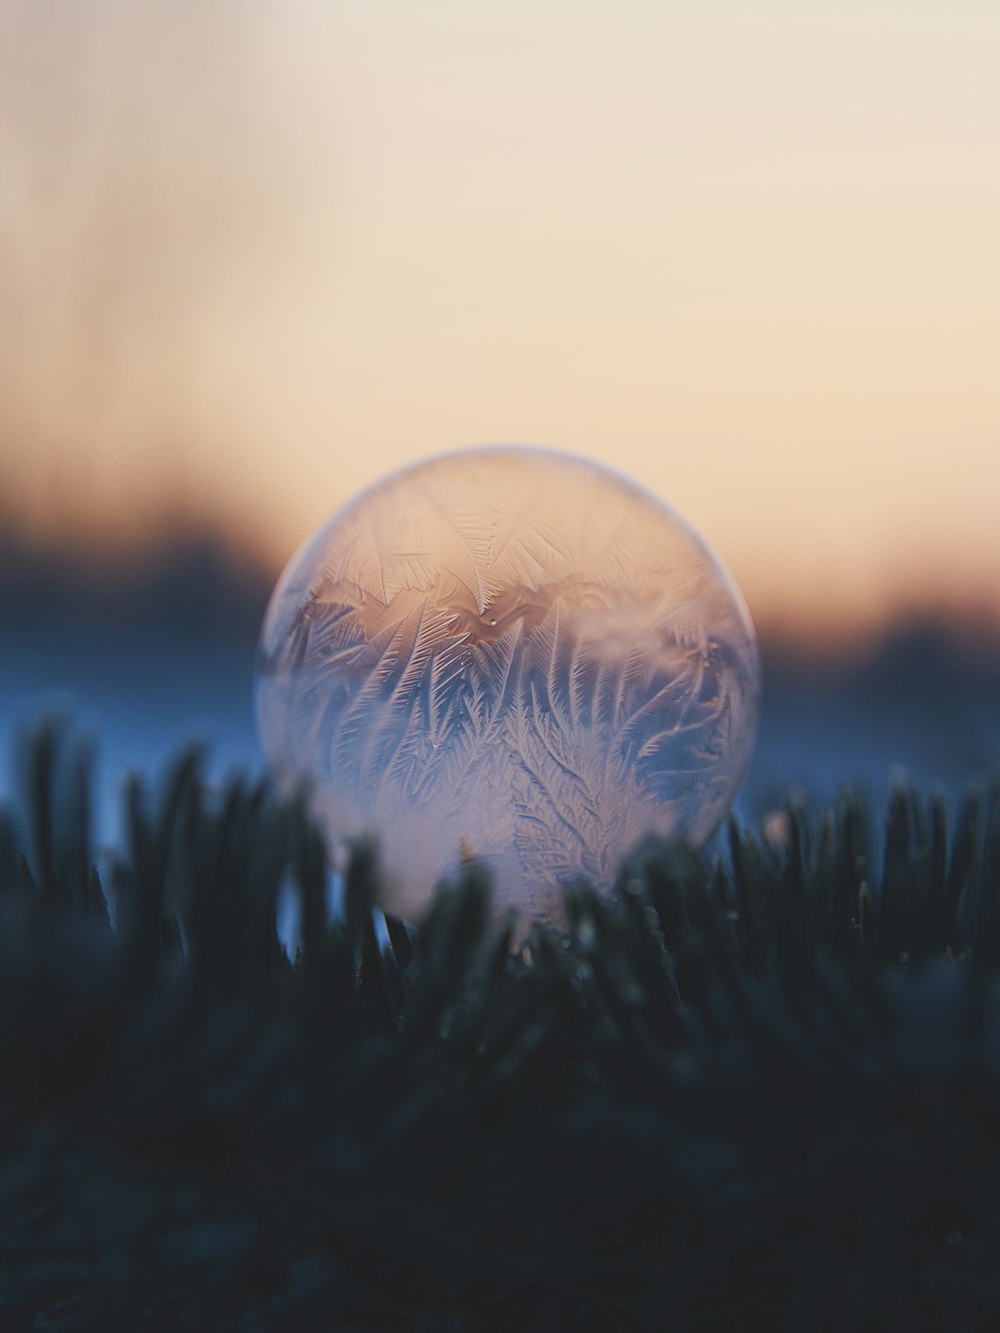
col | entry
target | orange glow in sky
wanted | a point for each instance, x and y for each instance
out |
(254, 253)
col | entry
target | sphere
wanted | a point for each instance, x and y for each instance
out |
(510, 654)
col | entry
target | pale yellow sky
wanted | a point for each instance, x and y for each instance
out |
(254, 254)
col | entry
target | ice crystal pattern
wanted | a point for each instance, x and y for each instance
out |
(510, 654)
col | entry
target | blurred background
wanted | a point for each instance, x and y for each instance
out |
(256, 253)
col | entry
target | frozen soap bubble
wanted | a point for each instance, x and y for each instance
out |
(511, 654)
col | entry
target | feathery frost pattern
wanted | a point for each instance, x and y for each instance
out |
(511, 655)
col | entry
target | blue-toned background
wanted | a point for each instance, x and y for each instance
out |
(152, 653)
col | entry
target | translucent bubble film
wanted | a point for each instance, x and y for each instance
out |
(512, 654)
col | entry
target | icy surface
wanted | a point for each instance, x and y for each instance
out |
(511, 654)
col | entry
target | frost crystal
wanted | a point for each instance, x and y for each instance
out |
(512, 654)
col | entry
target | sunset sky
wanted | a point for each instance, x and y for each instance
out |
(255, 253)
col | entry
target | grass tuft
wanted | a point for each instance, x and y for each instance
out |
(759, 1092)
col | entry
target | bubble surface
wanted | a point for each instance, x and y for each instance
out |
(512, 654)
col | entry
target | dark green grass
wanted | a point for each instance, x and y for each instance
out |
(761, 1093)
